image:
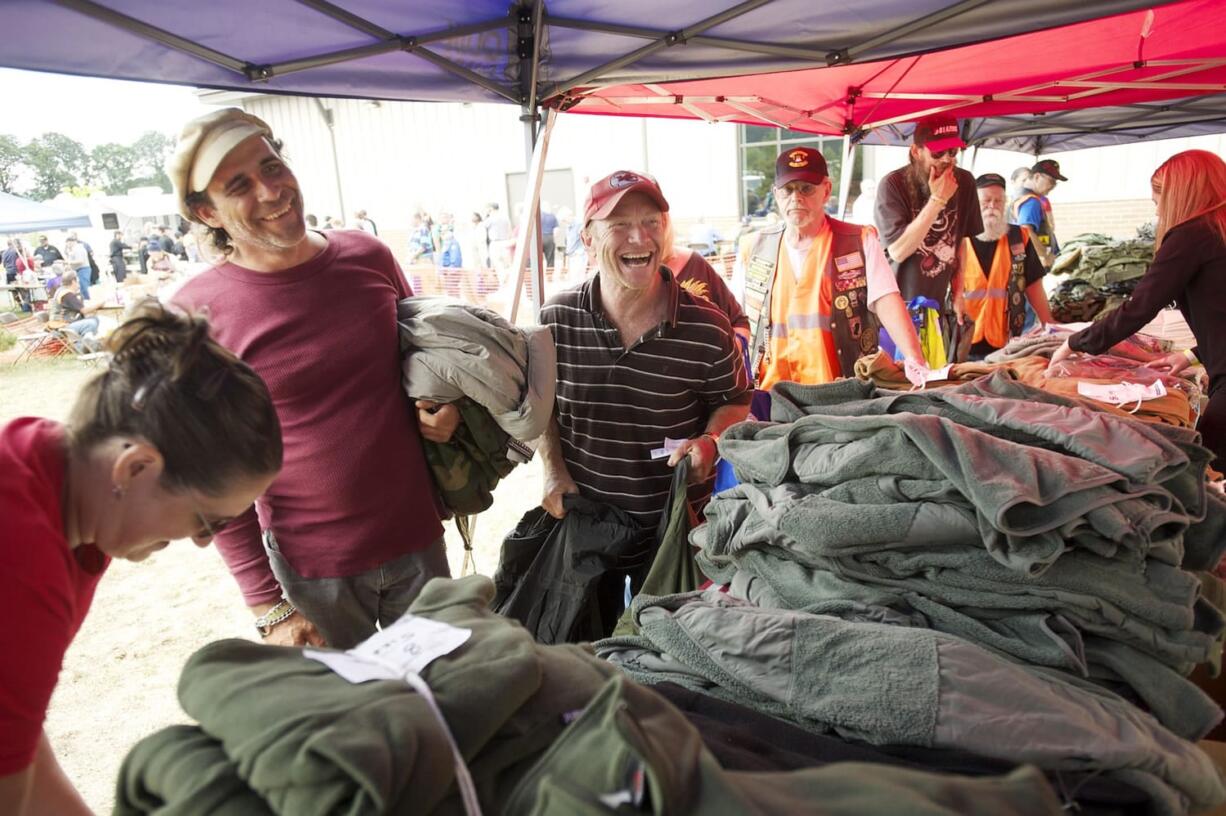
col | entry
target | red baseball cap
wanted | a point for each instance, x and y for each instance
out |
(800, 164)
(938, 133)
(605, 194)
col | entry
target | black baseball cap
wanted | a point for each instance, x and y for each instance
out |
(800, 164)
(991, 180)
(1049, 166)
(938, 133)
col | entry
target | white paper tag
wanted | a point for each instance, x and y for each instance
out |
(938, 373)
(1123, 393)
(670, 445)
(408, 645)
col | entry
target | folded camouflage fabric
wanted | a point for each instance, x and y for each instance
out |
(1075, 301)
(468, 467)
(453, 349)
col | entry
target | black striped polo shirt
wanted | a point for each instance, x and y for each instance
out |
(615, 405)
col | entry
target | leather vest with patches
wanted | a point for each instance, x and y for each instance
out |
(852, 325)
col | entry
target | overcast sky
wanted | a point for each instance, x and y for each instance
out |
(92, 111)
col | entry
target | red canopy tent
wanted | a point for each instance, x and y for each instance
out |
(1171, 52)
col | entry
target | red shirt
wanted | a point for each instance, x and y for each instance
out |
(354, 491)
(45, 588)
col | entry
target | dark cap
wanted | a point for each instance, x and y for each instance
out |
(604, 195)
(937, 133)
(1049, 166)
(800, 164)
(991, 180)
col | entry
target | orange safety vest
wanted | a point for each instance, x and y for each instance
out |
(809, 325)
(996, 300)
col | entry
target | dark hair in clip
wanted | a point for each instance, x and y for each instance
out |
(207, 412)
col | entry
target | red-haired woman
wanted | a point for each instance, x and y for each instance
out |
(1189, 269)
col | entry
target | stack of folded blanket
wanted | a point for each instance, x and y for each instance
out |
(538, 729)
(987, 567)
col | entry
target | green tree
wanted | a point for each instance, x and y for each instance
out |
(113, 167)
(11, 156)
(58, 162)
(151, 151)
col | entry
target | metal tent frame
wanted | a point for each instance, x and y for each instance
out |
(523, 54)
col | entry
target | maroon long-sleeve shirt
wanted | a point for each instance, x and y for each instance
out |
(354, 491)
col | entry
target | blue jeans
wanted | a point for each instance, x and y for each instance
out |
(345, 610)
(83, 275)
(84, 327)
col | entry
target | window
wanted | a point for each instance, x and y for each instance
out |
(758, 147)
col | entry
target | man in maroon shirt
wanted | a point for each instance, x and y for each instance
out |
(348, 533)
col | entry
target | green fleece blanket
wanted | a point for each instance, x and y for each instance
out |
(308, 742)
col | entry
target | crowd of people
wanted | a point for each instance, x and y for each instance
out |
(297, 453)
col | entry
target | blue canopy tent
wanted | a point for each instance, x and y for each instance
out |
(490, 51)
(481, 50)
(19, 215)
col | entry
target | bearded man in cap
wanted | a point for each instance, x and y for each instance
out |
(1001, 271)
(1033, 209)
(816, 288)
(924, 212)
(348, 533)
(640, 360)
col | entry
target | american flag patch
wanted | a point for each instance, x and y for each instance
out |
(852, 261)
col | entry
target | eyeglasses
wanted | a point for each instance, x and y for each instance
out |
(209, 529)
(796, 188)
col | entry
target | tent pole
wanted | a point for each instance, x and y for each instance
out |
(530, 17)
(845, 172)
(330, 121)
(528, 233)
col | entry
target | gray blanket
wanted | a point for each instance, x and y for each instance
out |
(888, 684)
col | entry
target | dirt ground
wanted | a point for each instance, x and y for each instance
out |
(119, 677)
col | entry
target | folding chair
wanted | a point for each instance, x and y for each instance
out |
(86, 349)
(47, 343)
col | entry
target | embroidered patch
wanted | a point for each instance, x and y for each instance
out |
(846, 279)
(840, 302)
(852, 260)
(758, 274)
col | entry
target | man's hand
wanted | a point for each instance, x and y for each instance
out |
(916, 370)
(438, 421)
(295, 630)
(942, 185)
(702, 451)
(557, 485)
(1058, 356)
(959, 308)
